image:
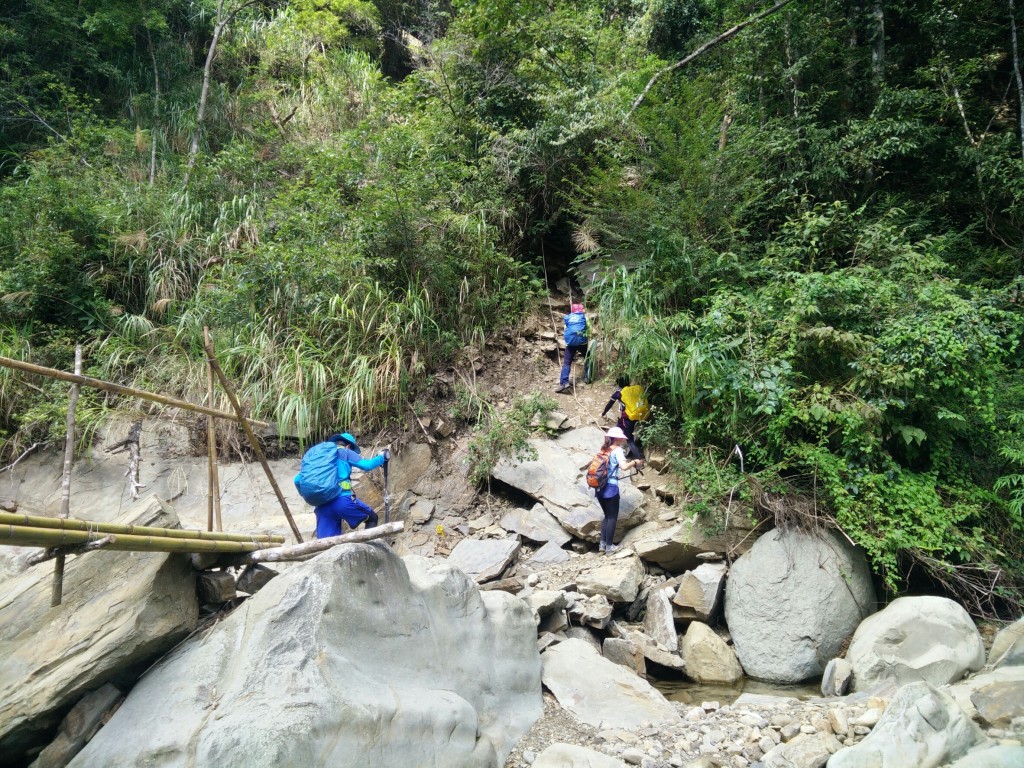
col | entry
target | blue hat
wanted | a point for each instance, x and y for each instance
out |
(344, 437)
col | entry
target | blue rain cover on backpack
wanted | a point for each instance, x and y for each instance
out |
(317, 481)
(575, 329)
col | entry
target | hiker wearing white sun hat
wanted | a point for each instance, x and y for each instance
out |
(608, 495)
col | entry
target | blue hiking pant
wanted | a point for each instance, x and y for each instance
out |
(570, 354)
(345, 507)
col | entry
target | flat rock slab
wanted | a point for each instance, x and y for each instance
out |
(535, 524)
(617, 578)
(120, 610)
(557, 479)
(354, 658)
(549, 554)
(964, 692)
(572, 756)
(601, 693)
(483, 560)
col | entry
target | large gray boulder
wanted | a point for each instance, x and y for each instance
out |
(793, 600)
(120, 610)
(915, 638)
(600, 692)
(557, 479)
(922, 727)
(353, 658)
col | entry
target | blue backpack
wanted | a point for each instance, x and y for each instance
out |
(575, 329)
(317, 481)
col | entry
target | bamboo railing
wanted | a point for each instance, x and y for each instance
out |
(71, 524)
(29, 536)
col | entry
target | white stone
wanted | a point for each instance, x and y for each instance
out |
(915, 638)
(599, 692)
(923, 727)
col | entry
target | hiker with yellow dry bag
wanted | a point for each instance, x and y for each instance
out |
(635, 408)
(603, 476)
(325, 481)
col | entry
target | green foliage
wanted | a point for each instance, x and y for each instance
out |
(507, 434)
(802, 242)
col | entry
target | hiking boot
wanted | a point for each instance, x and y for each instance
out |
(612, 548)
(561, 388)
(602, 547)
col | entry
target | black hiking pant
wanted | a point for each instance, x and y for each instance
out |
(610, 507)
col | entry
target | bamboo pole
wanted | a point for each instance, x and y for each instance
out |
(57, 591)
(24, 536)
(302, 551)
(107, 386)
(72, 524)
(213, 490)
(230, 391)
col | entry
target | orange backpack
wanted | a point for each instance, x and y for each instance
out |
(597, 472)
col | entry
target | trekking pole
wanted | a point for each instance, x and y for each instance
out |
(387, 511)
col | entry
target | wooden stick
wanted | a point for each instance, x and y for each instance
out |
(57, 591)
(302, 551)
(24, 536)
(430, 440)
(211, 446)
(49, 554)
(107, 386)
(72, 524)
(230, 391)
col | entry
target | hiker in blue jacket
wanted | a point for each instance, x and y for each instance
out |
(346, 506)
(575, 344)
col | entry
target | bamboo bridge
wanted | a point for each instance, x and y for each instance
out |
(64, 535)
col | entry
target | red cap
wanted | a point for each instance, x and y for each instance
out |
(577, 308)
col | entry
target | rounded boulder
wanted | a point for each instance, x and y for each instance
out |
(793, 600)
(915, 638)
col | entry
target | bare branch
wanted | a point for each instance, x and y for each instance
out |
(704, 49)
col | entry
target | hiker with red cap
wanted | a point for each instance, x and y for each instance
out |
(575, 343)
(608, 494)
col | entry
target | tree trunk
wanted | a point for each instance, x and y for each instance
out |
(1016, 74)
(204, 92)
(310, 548)
(878, 44)
(156, 108)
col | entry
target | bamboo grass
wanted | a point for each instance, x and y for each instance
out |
(71, 524)
(25, 536)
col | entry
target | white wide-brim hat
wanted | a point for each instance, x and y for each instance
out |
(616, 434)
